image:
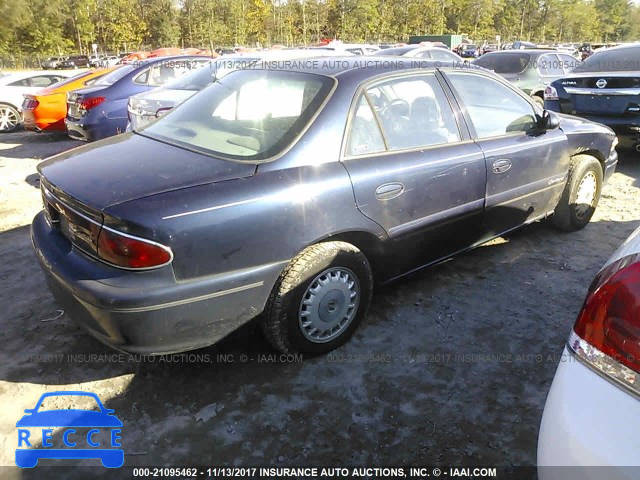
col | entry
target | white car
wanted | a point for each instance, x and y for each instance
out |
(592, 414)
(14, 85)
(347, 48)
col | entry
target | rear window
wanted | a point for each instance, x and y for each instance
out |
(250, 115)
(615, 60)
(504, 62)
(113, 77)
(396, 50)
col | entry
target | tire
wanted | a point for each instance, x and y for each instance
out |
(569, 215)
(538, 100)
(311, 292)
(10, 118)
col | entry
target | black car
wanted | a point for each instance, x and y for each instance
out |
(75, 61)
(282, 195)
(604, 89)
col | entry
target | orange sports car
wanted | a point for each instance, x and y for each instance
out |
(45, 110)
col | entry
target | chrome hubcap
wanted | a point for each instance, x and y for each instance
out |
(8, 118)
(586, 194)
(329, 305)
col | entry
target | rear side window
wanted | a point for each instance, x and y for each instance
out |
(494, 108)
(364, 136)
(20, 83)
(443, 55)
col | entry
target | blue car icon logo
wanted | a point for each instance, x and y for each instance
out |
(80, 444)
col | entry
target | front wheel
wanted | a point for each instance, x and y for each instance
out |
(580, 196)
(319, 299)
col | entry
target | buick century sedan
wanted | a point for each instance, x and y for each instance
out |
(284, 195)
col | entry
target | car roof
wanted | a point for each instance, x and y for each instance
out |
(345, 66)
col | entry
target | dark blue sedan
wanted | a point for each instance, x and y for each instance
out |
(100, 111)
(604, 89)
(287, 191)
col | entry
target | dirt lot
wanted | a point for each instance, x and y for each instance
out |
(451, 366)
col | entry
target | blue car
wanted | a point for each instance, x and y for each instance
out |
(604, 89)
(100, 111)
(68, 419)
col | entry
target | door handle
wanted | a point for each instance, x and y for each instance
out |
(388, 191)
(502, 165)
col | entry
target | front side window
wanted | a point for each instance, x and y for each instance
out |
(414, 112)
(248, 115)
(494, 108)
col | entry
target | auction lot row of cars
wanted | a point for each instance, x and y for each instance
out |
(243, 190)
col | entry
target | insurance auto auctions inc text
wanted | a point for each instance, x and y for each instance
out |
(351, 472)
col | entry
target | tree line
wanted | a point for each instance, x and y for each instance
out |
(47, 27)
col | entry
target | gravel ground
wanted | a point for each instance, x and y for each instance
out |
(451, 366)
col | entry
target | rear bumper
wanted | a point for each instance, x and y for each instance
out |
(148, 312)
(588, 422)
(34, 123)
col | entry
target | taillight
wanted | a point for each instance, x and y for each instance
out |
(127, 251)
(30, 103)
(89, 103)
(550, 93)
(607, 331)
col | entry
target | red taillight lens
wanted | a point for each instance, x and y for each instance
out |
(89, 103)
(610, 316)
(131, 252)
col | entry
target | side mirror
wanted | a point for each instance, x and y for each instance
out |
(548, 120)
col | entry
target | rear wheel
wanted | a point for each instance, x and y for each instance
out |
(10, 118)
(581, 194)
(319, 299)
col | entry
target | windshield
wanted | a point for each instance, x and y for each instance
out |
(250, 115)
(117, 74)
(614, 60)
(504, 62)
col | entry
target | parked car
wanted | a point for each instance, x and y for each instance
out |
(592, 414)
(420, 52)
(529, 70)
(12, 88)
(133, 57)
(467, 50)
(604, 89)
(94, 60)
(75, 61)
(52, 62)
(286, 192)
(145, 107)
(346, 48)
(488, 48)
(100, 110)
(109, 61)
(46, 109)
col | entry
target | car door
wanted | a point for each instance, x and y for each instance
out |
(526, 166)
(414, 169)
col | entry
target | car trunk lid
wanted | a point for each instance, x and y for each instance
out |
(130, 166)
(607, 93)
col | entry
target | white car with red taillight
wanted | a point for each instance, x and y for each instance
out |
(592, 414)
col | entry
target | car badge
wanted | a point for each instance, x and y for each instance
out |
(601, 83)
